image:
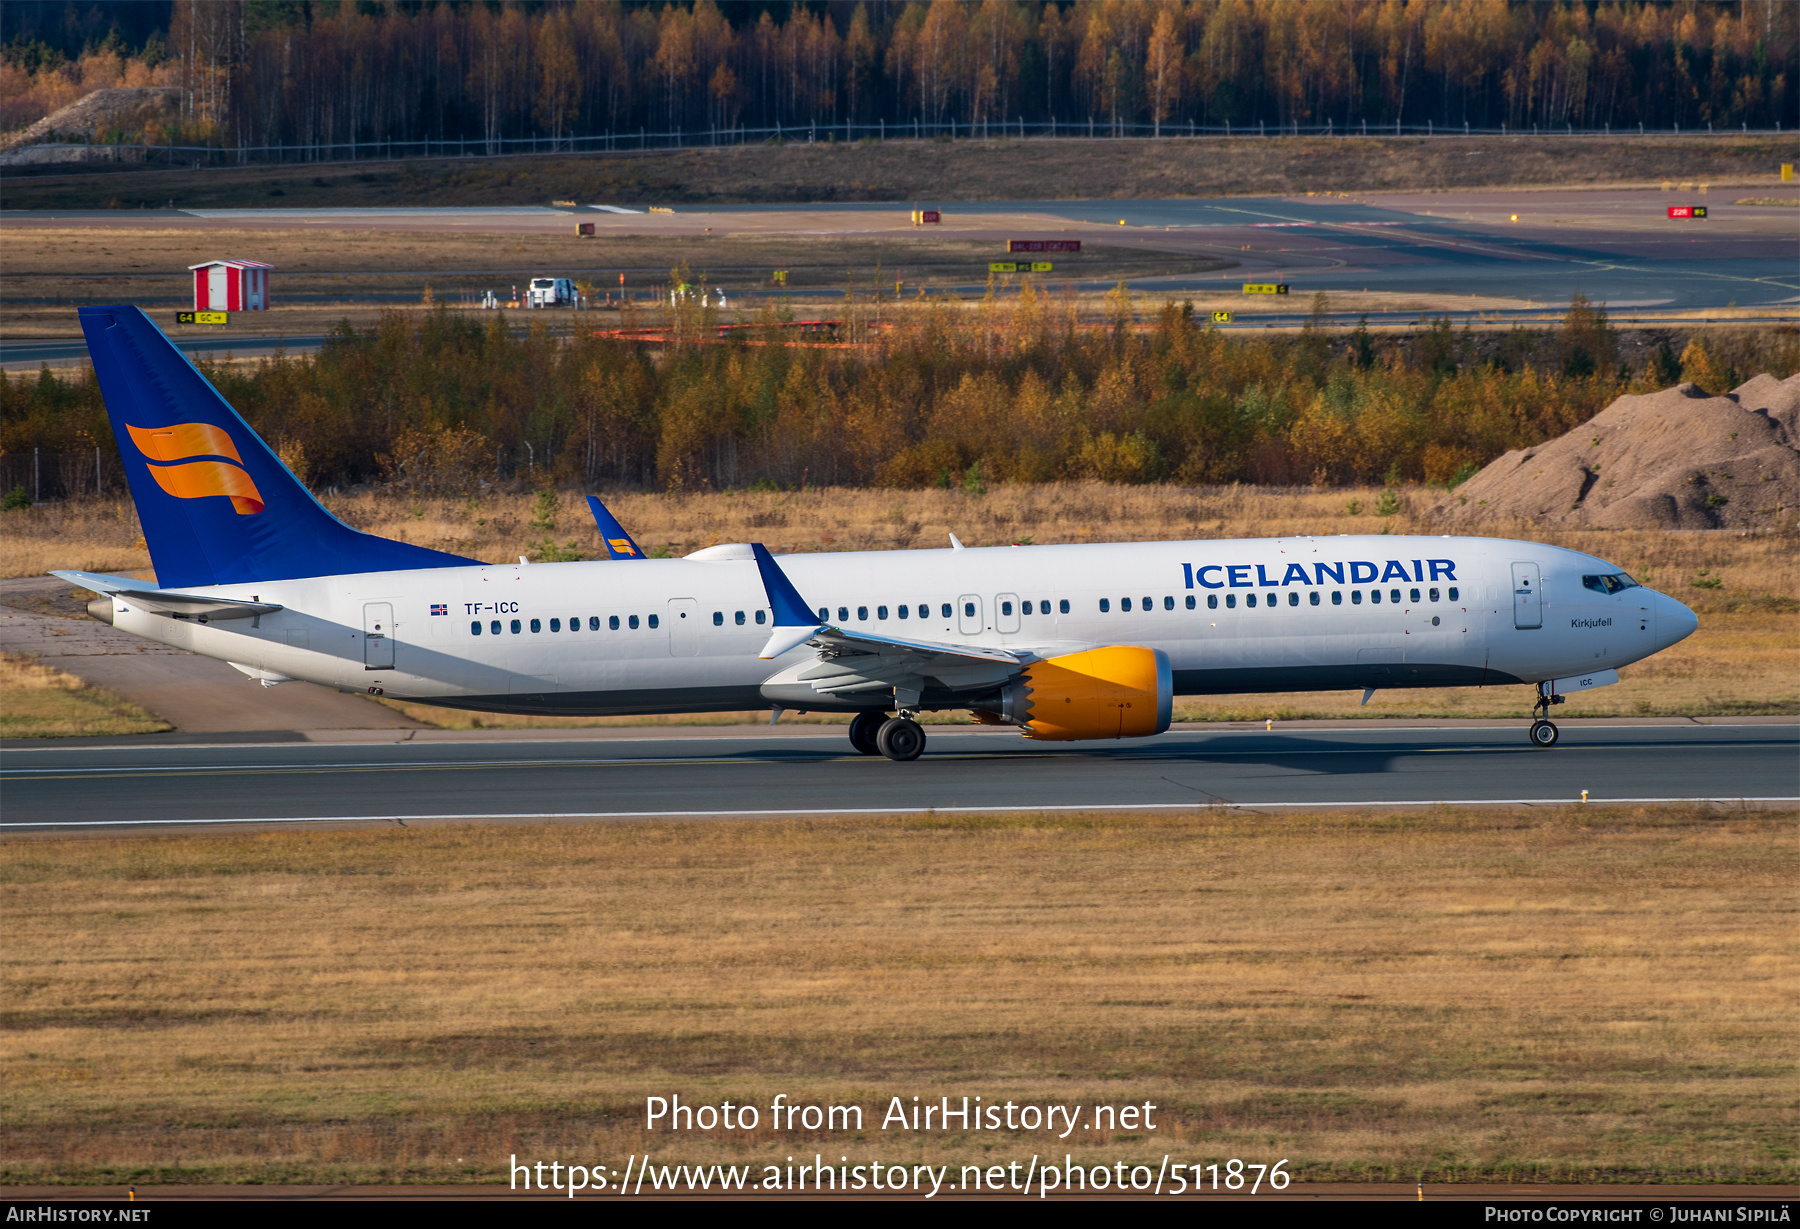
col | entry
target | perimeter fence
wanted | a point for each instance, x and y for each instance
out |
(385, 150)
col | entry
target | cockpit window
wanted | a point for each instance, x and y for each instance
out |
(1618, 582)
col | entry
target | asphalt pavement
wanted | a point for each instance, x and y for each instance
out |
(735, 773)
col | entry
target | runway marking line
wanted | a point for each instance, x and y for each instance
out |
(1209, 804)
(228, 770)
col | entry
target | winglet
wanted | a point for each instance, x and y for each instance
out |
(794, 622)
(618, 543)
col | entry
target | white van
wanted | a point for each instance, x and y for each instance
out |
(550, 292)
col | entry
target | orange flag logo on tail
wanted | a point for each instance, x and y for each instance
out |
(195, 478)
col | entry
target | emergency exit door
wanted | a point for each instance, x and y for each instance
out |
(378, 636)
(1528, 598)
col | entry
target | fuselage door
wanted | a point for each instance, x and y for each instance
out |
(1528, 598)
(378, 636)
(968, 615)
(1006, 612)
(684, 627)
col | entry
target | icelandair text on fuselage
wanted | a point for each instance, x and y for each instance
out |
(1348, 572)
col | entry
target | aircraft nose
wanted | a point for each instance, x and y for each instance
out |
(1674, 621)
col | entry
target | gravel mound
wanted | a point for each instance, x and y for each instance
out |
(1676, 459)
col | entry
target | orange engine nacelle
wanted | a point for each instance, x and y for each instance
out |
(1117, 692)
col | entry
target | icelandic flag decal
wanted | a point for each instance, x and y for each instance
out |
(440, 608)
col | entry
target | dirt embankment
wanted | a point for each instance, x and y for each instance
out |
(1676, 459)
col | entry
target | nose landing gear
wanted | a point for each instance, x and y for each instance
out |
(1543, 734)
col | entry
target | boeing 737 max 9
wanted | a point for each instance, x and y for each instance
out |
(1063, 642)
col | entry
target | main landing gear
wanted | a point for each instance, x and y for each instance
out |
(1543, 734)
(898, 738)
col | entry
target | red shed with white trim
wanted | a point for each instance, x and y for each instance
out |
(231, 286)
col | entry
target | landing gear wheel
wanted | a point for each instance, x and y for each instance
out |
(864, 728)
(901, 739)
(1543, 734)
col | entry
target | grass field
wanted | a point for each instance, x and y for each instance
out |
(938, 171)
(1744, 659)
(1548, 995)
(337, 273)
(39, 701)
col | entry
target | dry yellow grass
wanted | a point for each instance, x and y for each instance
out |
(1744, 659)
(1592, 994)
(39, 701)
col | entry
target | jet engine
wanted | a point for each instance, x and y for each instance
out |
(1118, 692)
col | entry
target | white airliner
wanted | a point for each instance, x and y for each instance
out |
(1063, 642)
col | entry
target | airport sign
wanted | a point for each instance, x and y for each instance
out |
(1687, 211)
(1019, 266)
(1043, 245)
(1221, 317)
(202, 318)
(1265, 288)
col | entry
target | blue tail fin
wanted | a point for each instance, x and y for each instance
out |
(618, 543)
(217, 506)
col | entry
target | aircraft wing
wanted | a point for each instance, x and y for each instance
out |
(618, 543)
(848, 662)
(167, 601)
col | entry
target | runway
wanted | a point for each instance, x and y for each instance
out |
(735, 774)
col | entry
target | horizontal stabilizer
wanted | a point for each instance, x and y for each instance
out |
(168, 601)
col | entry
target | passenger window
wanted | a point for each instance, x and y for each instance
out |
(556, 625)
(968, 610)
(613, 622)
(632, 622)
(824, 615)
(1231, 601)
(1168, 603)
(1337, 597)
(1356, 597)
(759, 617)
(1434, 595)
(843, 614)
(494, 627)
(1149, 603)
(575, 624)
(1293, 599)
(1415, 597)
(1190, 601)
(475, 628)
(1212, 601)
(881, 612)
(1375, 597)
(718, 618)
(1453, 596)
(1125, 604)
(652, 620)
(1024, 607)
(738, 618)
(901, 611)
(946, 610)
(1105, 605)
(862, 613)
(536, 627)
(1313, 597)
(1005, 608)
(515, 627)
(1063, 606)
(1394, 596)
(594, 623)
(1250, 600)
